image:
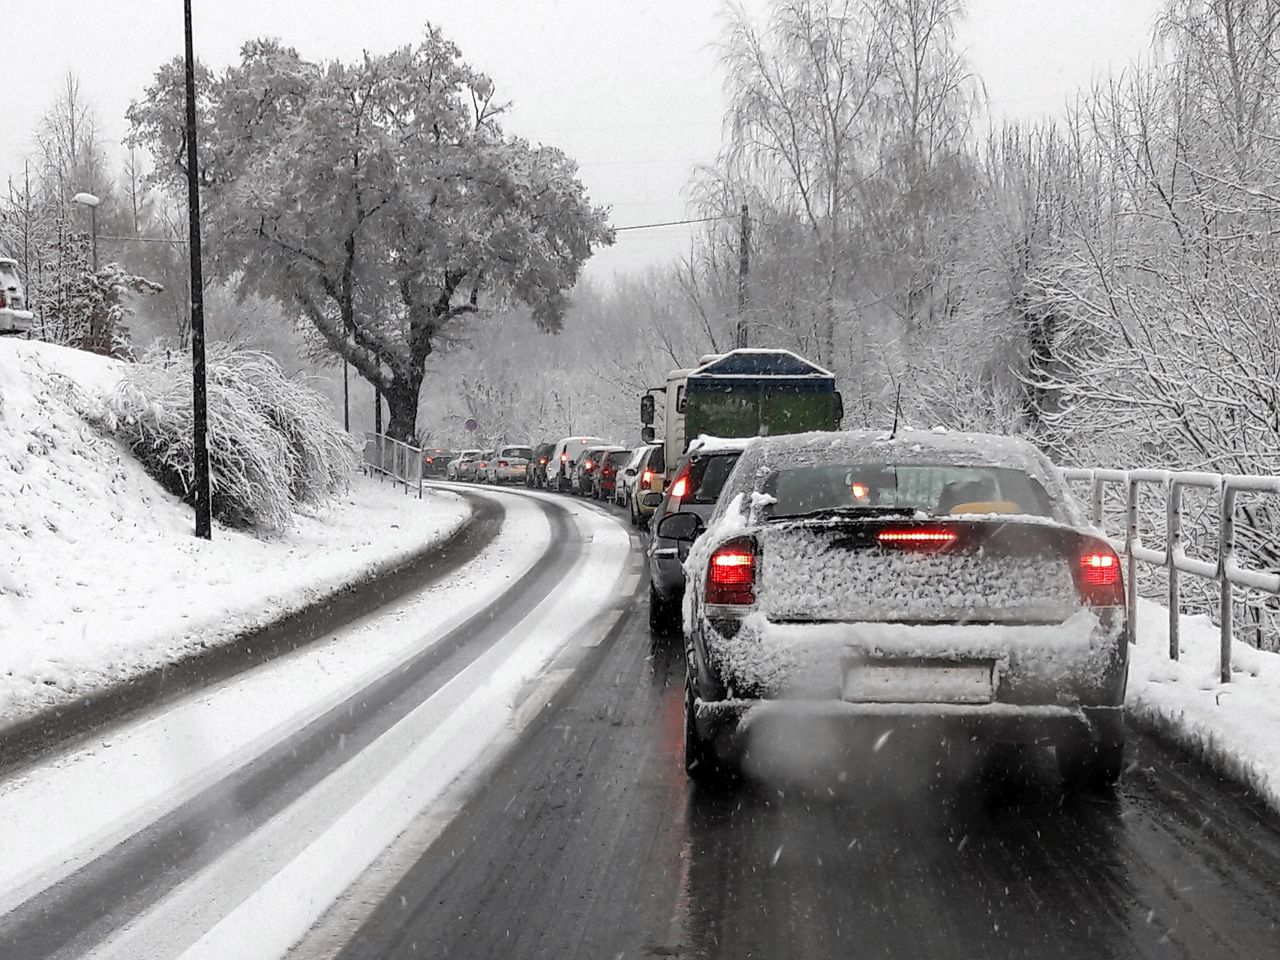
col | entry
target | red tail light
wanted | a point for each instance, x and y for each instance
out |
(1098, 577)
(541, 461)
(502, 463)
(917, 537)
(3, 302)
(680, 487)
(564, 457)
(431, 459)
(731, 575)
(646, 477)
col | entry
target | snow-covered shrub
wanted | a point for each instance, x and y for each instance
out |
(272, 442)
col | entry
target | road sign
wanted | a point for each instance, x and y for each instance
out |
(471, 426)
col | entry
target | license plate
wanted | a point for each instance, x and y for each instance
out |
(914, 681)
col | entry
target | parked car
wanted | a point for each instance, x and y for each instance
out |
(14, 315)
(651, 478)
(695, 487)
(627, 478)
(951, 577)
(508, 465)
(564, 458)
(435, 461)
(536, 475)
(454, 468)
(604, 479)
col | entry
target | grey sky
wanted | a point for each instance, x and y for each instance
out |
(630, 89)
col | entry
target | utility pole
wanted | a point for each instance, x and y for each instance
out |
(744, 267)
(346, 400)
(199, 398)
(377, 411)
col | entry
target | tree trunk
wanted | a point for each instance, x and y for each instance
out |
(402, 402)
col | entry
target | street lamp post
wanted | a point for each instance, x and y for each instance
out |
(199, 398)
(90, 201)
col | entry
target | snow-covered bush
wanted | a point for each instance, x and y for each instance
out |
(272, 443)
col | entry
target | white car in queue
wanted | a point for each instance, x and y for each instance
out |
(14, 317)
(924, 576)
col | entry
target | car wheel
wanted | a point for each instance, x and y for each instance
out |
(704, 762)
(1091, 761)
(632, 516)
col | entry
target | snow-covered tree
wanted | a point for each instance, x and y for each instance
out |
(380, 200)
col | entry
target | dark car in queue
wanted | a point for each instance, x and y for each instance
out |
(694, 489)
(612, 463)
(922, 577)
(435, 461)
(536, 475)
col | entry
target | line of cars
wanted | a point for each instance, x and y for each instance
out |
(585, 466)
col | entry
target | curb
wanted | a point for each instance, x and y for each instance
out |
(29, 738)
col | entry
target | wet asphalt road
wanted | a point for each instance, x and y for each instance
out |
(589, 843)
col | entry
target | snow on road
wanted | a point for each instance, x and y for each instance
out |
(1235, 726)
(264, 894)
(100, 576)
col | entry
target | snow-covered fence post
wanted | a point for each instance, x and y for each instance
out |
(1226, 557)
(1130, 550)
(1173, 546)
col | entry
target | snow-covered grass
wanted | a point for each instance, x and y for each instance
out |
(1235, 727)
(100, 576)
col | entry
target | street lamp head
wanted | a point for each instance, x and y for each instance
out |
(88, 199)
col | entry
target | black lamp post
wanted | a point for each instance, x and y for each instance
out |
(199, 397)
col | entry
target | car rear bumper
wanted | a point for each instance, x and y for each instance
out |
(993, 722)
(1081, 662)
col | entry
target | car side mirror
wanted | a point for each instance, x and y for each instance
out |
(682, 527)
(652, 499)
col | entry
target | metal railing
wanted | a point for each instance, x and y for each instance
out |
(394, 460)
(1224, 569)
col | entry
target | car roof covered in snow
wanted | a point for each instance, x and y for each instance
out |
(705, 444)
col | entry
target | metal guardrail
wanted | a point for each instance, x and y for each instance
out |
(1223, 570)
(394, 460)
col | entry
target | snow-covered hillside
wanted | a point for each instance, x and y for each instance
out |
(100, 576)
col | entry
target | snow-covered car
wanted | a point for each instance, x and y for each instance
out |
(476, 470)
(583, 476)
(604, 478)
(454, 469)
(14, 316)
(508, 465)
(699, 478)
(932, 576)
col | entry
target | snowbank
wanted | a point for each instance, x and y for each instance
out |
(100, 576)
(1235, 727)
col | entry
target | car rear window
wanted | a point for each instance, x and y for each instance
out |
(707, 475)
(518, 452)
(8, 274)
(937, 489)
(619, 457)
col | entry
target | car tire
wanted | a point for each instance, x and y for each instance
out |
(704, 762)
(1093, 760)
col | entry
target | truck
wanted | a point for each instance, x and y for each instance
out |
(742, 393)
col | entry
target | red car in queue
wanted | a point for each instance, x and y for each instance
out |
(922, 578)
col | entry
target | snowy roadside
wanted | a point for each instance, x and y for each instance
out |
(101, 579)
(1234, 727)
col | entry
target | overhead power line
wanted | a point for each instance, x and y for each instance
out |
(669, 223)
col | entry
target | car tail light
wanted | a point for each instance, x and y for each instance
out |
(502, 463)
(680, 487)
(564, 457)
(920, 537)
(646, 477)
(431, 459)
(1098, 577)
(731, 574)
(3, 302)
(541, 461)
